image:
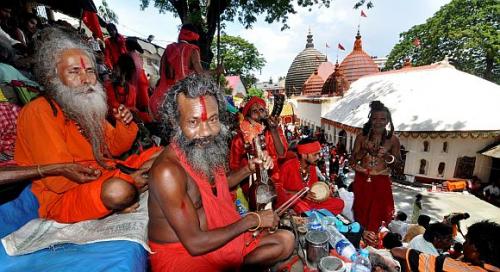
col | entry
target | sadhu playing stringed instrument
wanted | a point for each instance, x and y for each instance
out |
(193, 222)
(300, 172)
(376, 150)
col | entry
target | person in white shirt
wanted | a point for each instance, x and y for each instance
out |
(437, 239)
(399, 225)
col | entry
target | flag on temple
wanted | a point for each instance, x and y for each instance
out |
(91, 20)
(327, 46)
(341, 47)
(363, 14)
(416, 42)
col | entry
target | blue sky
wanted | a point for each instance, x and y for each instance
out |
(333, 25)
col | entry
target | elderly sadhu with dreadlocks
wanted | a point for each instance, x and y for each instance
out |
(376, 150)
(68, 125)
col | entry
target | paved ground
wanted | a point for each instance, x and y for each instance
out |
(439, 204)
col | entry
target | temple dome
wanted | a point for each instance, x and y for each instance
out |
(358, 63)
(336, 84)
(304, 64)
(313, 85)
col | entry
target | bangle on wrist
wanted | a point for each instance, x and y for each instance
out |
(258, 217)
(39, 171)
(393, 158)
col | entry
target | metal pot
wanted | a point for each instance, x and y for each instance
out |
(317, 246)
(331, 264)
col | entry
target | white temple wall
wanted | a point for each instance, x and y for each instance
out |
(457, 147)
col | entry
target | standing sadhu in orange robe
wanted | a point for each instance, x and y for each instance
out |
(68, 125)
(297, 173)
(275, 142)
(114, 46)
(179, 60)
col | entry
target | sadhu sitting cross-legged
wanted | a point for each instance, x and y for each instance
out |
(297, 173)
(193, 222)
(68, 124)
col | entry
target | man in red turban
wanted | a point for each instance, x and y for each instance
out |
(255, 111)
(297, 173)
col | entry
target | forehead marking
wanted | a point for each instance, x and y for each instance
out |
(82, 63)
(203, 109)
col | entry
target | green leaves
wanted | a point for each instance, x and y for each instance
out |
(467, 31)
(240, 58)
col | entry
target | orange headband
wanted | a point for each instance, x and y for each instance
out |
(309, 148)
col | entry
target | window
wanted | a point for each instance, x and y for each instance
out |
(441, 168)
(445, 147)
(426, 146)
(465, 167)
(423, 166)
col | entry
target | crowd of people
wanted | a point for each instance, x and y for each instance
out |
(79, 127)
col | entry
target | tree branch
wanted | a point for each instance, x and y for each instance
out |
(181, 9)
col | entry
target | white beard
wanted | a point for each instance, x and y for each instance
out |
(87, 106)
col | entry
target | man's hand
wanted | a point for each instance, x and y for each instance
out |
(311, 196)
(141, 176)
(370, 237)
(268, 219)
(266, 162)
(123, 114)
(75, 172)
(272, 122)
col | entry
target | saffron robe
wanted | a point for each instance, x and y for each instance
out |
(45, 137)
(373, 201)
(113, 49)
(175, 65)
(238, 155)
(291, 180)
(220, 211)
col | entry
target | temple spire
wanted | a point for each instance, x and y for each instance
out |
(357, 42)
(310, 43)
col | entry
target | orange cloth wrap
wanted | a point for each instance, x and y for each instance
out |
(220, 211)
(45, 138)
(291, 180)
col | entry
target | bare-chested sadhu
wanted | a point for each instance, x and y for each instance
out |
(194, 225)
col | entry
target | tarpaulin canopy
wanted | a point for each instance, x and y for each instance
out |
(492, 151)
(72, 8)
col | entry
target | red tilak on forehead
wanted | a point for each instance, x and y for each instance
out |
(82, 63)
(203, 109)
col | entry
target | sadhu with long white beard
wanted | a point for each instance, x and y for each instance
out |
(193, 222)
(68, 124)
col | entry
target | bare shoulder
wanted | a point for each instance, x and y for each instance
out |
(167, 171)
(394, 139)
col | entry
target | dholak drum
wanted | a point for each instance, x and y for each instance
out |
(317, 246)
(321, 191)
(331, 264)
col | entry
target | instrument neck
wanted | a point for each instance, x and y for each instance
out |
(262, 175)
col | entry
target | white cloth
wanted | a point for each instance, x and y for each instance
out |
(399, 227)
(492, 190)
(348, 198)
(41, 233)
(422, 245)
(7, 37)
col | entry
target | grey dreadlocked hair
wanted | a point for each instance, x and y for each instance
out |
(194, 85)
(50, 43)
(377, 106)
